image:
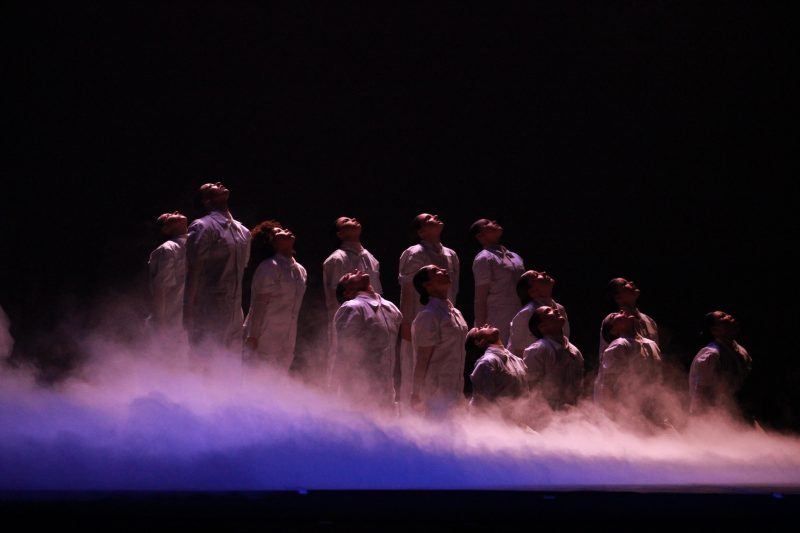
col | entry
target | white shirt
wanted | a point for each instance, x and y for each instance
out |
(367, 329)
(521, 336)
(350, 256)
(279, 284)
(716, 374)
(500, 269)
(555, 369)
(416, 257)
(498, 374)
(644, 326)
(440, 325)
(217, 251)
(167, 266)
(626, 361)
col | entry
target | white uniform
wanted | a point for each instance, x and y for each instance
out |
(625, 366)
(350, 256)
(644, 326)
(556, 370)
(279, 284)
(521, 336)
(500, 269)
(441, 326)
(217, 251)
(498, 374)
(412, 259)
(167, 266)
(367, 329)
(716, 374)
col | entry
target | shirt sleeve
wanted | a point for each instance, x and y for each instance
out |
(482, 382)
(162, 268)
(481, 270)
(425, 330)
(534, 358)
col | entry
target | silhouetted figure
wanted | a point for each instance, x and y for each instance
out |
(534, 289)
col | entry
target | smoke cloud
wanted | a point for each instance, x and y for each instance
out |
(144, 416)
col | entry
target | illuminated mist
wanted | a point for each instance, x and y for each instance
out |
(137, 417)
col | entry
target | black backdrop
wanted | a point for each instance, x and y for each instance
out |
(643, 140)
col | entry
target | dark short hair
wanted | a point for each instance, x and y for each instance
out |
(422, 276)
(605, 329)
(709, 321)
(478, 226)
(533, 324)
(340, 293)
(473, 351)
(523, 284)
(615, 285)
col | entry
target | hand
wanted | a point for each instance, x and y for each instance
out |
(251, 342)
(405, 332)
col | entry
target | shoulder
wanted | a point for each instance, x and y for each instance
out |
(488, 359)
(538, 347)
(482, 256)
(337, 256)
(300, 267)
(707, 354)
(574, 350)
(449, 252)
(525, 312)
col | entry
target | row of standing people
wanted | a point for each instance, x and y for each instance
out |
(206, 261)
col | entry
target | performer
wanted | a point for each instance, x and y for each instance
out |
(217, 251)
(534, 290)
(555, 365)
(496, 270)
(720, 369)
(367, 328)
(167, 266)
(438, 335)
(279, 284)
(428, 229)
(625, 294)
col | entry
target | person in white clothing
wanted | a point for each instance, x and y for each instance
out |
(555, 365)
(630, 367)
(625, 294)
(497, 271)
(438, 335)
(217, 251)
(498, 377)
(428, 229)
(720, 368)
(366, 328)
(534, 290)
(277, 290)
(167, 267)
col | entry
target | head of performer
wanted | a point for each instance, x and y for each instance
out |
(348, 229)
(172, 224)
(351, 284)
(213, 197)
(535, 285)
(616, 325)
(720, 326)
(478, 339)
(431, 281)
(486, 232)
(282, 241)
(624, 292)
(427, 227)
(547, 321)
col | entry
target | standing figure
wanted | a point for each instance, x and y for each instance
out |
(438, 334)
(625, 293)
(217, 251)
(279, 284)
(630, 367)
(555, 365)
(167, 266)
(366, 327)
(428, 229)
(497, 271)
(720, 368)
(534, 289)
(498, 376)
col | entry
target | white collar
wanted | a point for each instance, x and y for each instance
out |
(351, 246)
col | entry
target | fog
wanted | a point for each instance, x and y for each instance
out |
(137, 415)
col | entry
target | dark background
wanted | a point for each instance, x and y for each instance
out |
(648, 140)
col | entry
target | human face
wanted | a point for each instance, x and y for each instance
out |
(175, 224)
(540, 285)
(283, 241)
(430, 226)
(490, 234)
(214, 194)
(438, 282)
(348, 229)
(622, 324)
(725, 326)
(486, 335)
(627, 293)
(354, 282)
(551, 322)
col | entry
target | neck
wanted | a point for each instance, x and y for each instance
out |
(556, 336)
(286, 253)
(631, 308)
(724, 341)
(222, 209)
(432, 240)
